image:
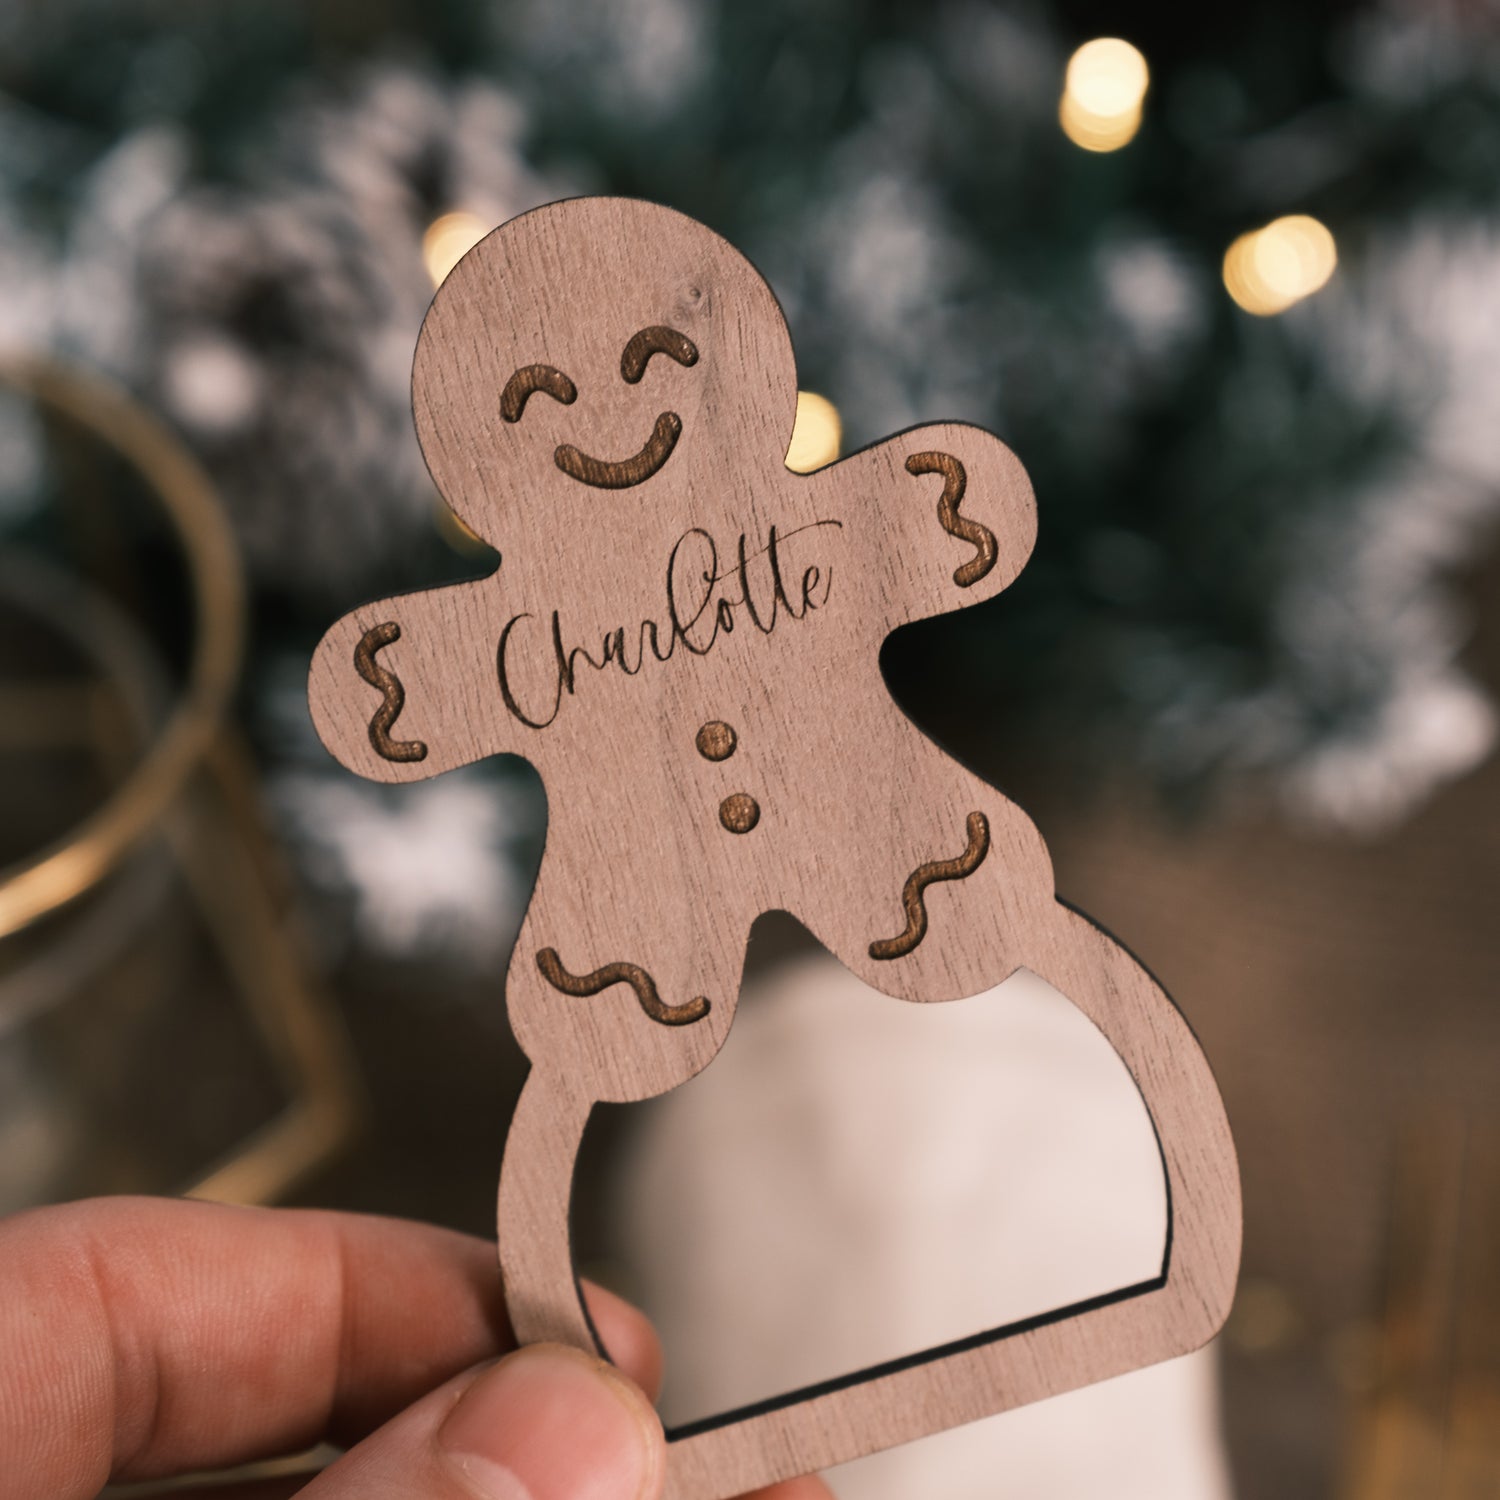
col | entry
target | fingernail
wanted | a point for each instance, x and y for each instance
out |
(550, 1423)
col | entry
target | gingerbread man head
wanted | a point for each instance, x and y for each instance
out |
(567, 377)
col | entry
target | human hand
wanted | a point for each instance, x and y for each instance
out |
(144, 1338)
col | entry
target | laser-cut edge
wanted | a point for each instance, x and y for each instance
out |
(835, 1383)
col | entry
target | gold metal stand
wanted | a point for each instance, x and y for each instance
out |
(189, 791)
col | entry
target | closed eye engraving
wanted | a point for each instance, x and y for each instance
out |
(373, 640)
(978, 829)
(621, 973)
(655, 340)
(527, 381)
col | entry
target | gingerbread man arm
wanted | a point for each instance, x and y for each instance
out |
(405, 688)
(948, 507)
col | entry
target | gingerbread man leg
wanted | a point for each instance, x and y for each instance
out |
(939, 876)
(589, 1002)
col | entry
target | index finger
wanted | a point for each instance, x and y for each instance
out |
(144, 1337)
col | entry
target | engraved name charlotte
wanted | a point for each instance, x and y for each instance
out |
(703, 604)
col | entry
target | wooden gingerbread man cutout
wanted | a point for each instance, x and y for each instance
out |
(683, 637)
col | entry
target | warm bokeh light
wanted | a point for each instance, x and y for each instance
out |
(1103, 93)
(1271, 269)
(448, 239)
(815, 435)
(1094, 134)
(456, 531)
(1107, 77)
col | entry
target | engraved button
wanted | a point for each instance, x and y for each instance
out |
(739, 813)
(716, 740)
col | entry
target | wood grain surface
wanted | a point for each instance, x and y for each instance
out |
(683, 637)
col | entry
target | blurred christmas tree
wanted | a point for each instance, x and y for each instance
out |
(1246, 519)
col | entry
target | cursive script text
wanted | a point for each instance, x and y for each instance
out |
(704, 602)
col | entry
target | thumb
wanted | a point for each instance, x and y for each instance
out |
(545, 1423)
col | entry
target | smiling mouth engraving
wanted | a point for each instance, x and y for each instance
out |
(623, 473)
